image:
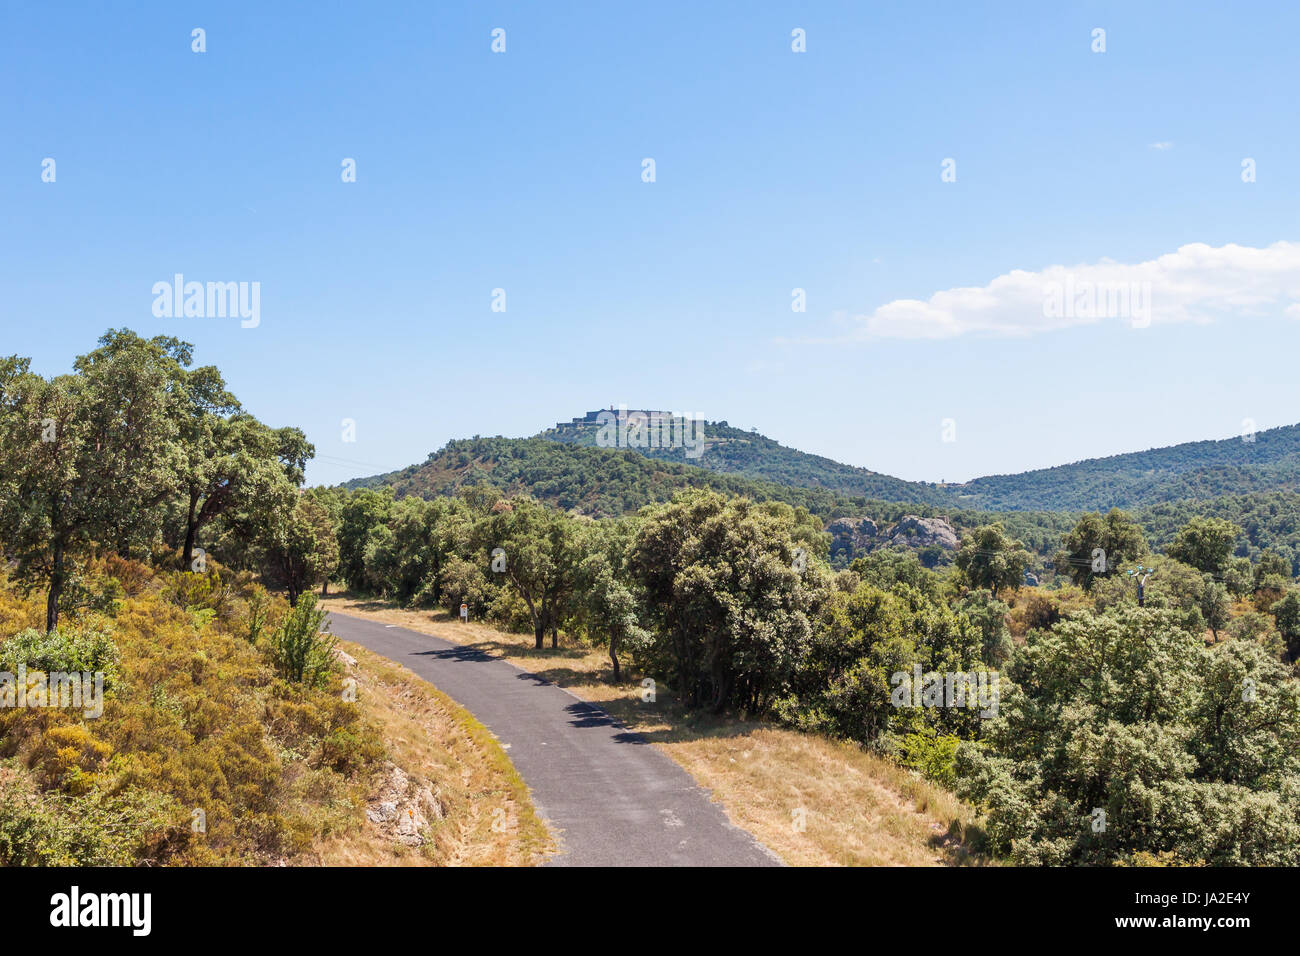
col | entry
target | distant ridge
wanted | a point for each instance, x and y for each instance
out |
(746, 462)
(734, 451)
(601, 482)
(1248, 464)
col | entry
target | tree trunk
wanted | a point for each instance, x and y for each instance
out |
(722, 683)
(539, 617)
(687, 685)
(56, 588)
(325, 588)
(191, 529)
(545, 620)
(613, 657)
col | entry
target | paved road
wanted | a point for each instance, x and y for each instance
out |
(614, 799)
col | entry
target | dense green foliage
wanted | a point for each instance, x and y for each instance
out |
(1268, 521)
(732, 451)
(1098, 547)
(866, 637)
(1192, 471)
(991, 560)
(300, 649)
(135, 452)
(69, 650)
(600, 482)
(730, 593)
(1122, 736)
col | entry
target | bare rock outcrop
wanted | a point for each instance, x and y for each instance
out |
(913, 531)
(404, 807)
(854, 537)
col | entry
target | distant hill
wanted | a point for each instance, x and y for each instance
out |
(733, 451)
(1243, 481)
(606, 482)
(596, 481)
(1195, 470)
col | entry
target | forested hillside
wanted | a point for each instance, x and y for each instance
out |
(733, 451)
(1268, 521)
(1264, 462)
(609, 481)
(600, 482)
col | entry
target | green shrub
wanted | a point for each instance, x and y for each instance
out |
(91, 830)
(931, 755)
(301, 650)
(259, 612)
(346, 750)
(66, 649)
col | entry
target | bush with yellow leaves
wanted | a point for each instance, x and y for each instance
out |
(204, 754)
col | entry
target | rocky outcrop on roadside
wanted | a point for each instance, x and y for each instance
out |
(404, 807)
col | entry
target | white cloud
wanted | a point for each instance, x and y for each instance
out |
(1162, 145)
(1198, 283)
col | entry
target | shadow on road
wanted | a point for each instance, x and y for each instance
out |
(589, 715)
(466, 654)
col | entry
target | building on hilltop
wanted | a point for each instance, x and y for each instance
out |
(592, 418)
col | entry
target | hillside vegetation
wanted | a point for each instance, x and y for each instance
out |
(600, 482)
(1269, 461)
(1168, 486)
(1176, 714)
(208, 753)
(1260, 462)
(733, 451)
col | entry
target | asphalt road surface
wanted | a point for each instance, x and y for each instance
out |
(612, 797)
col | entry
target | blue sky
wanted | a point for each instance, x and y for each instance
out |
(775, 170)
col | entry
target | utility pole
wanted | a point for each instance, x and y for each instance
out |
(1142, 582)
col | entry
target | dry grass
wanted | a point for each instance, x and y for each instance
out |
(856, 809)
(483, 814)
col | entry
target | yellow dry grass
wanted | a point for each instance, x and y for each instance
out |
(812, 800)
(488, 817)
